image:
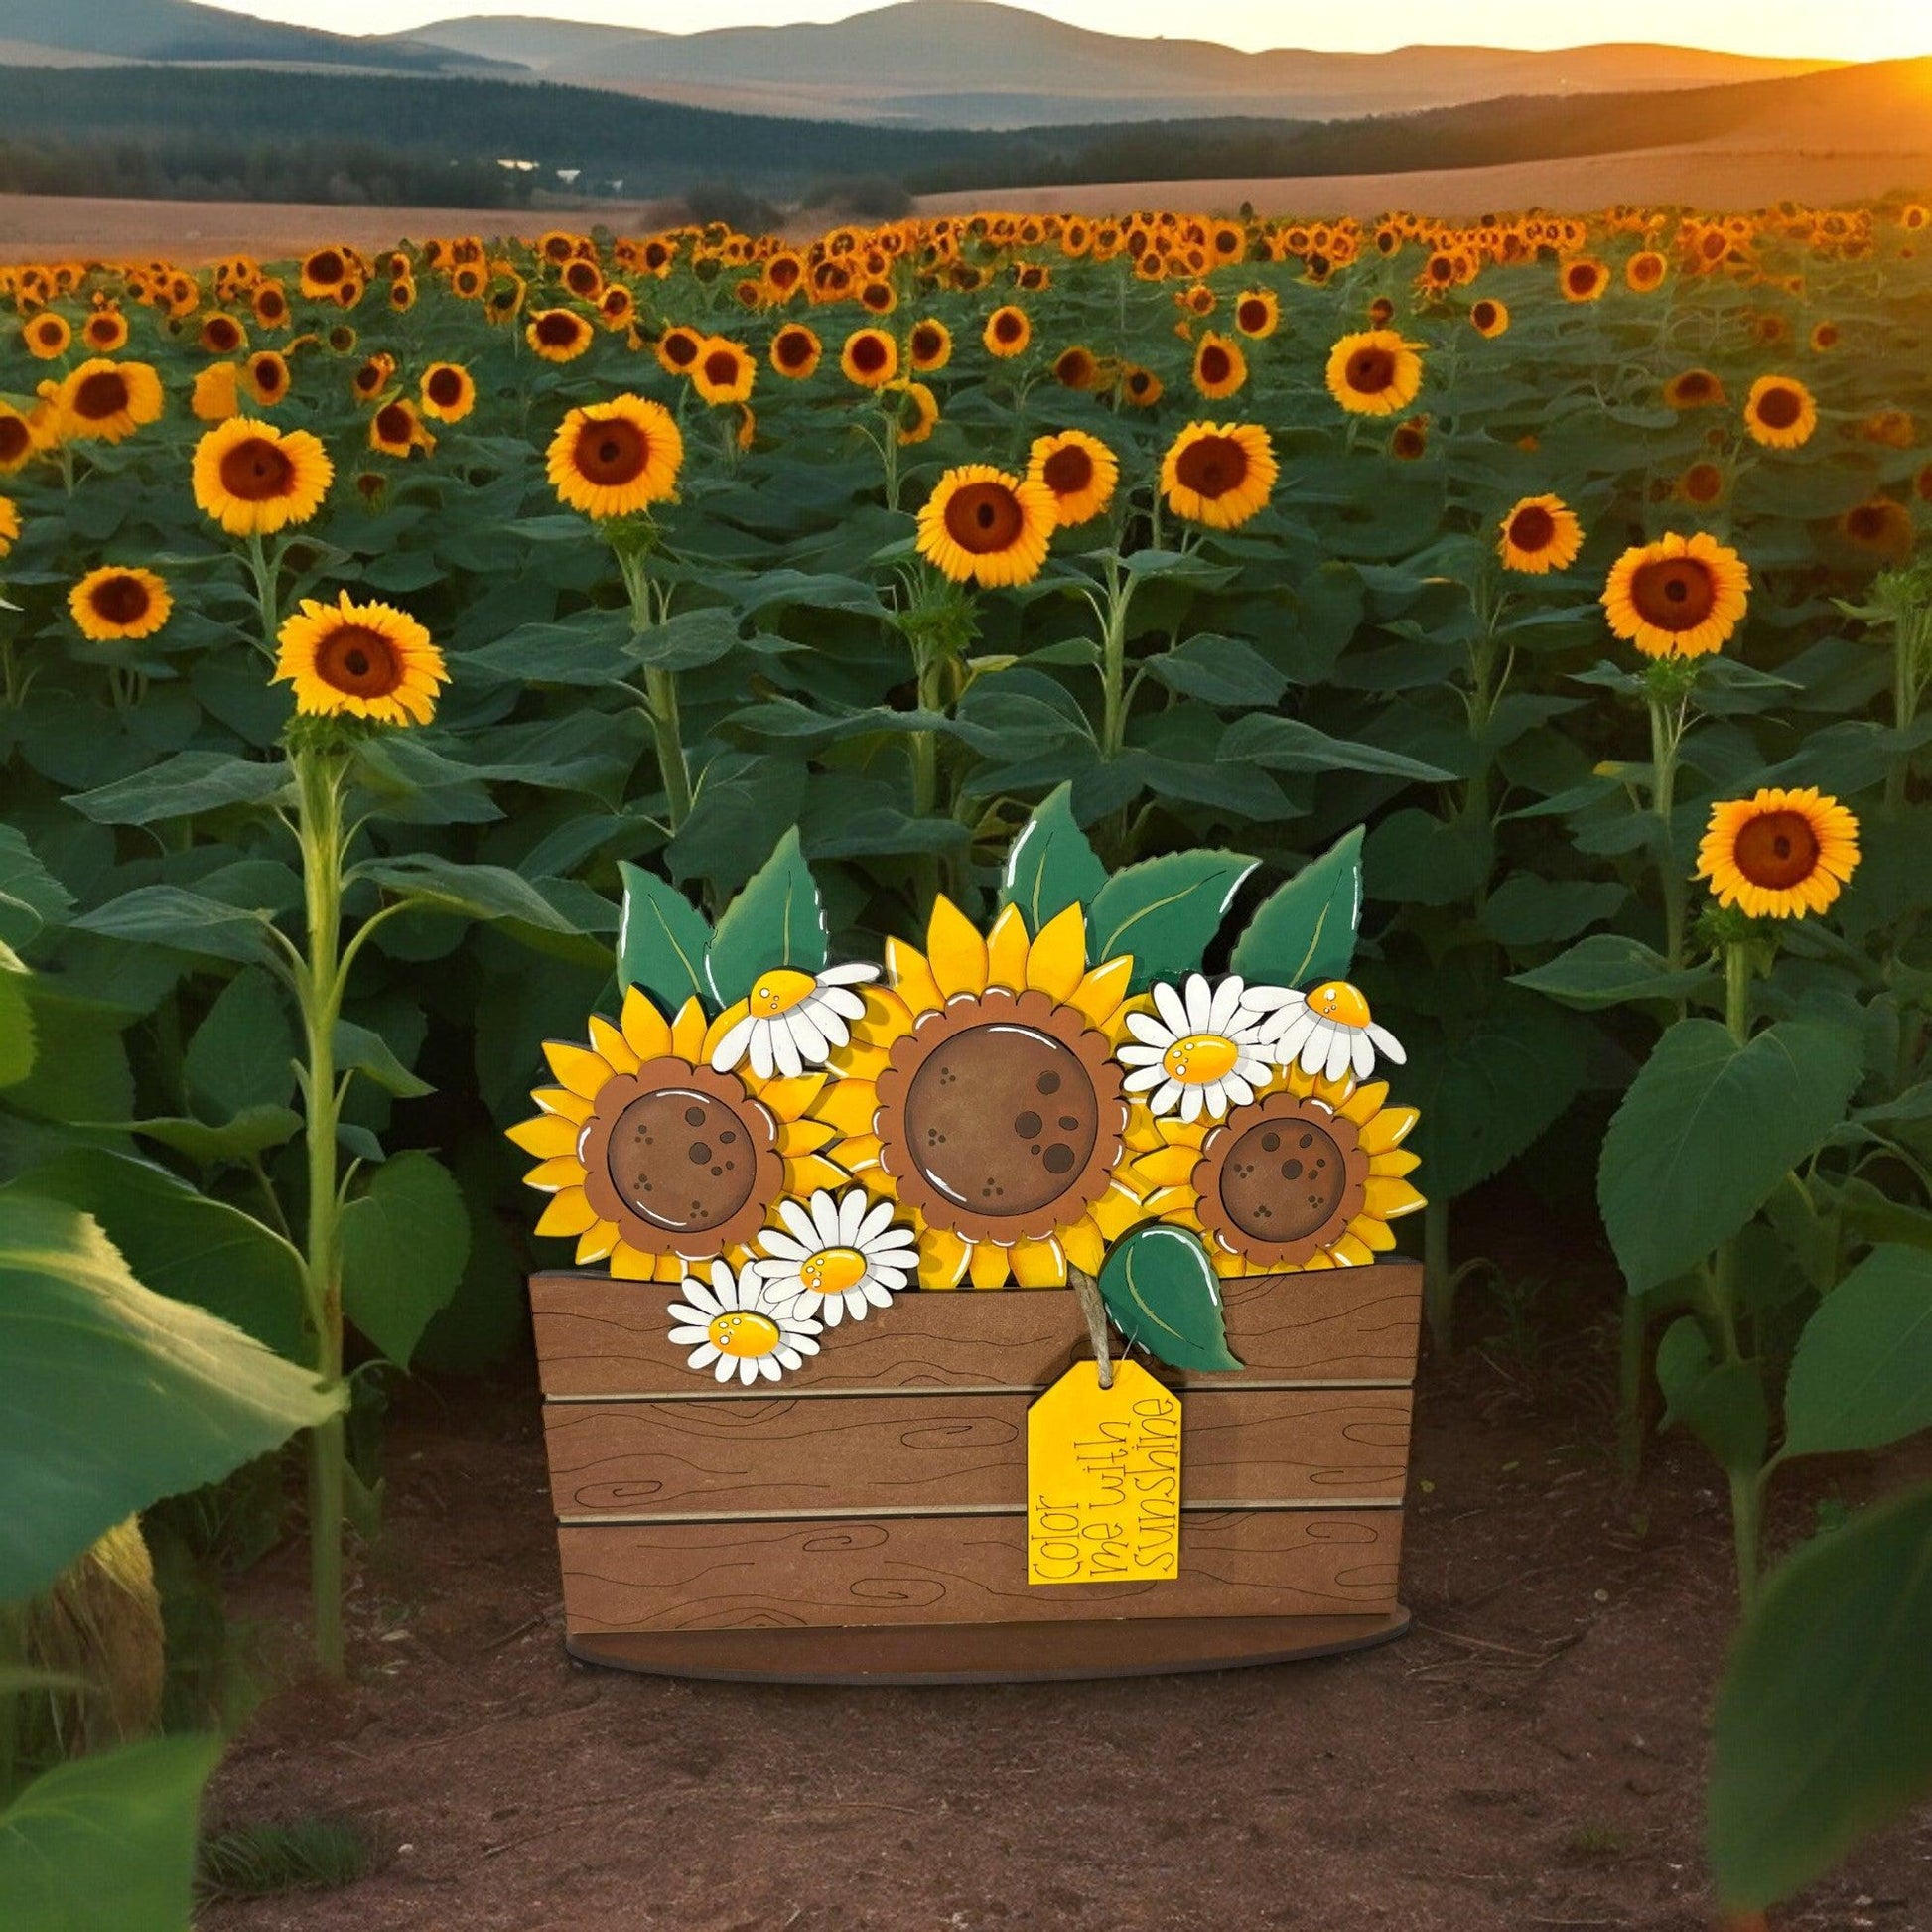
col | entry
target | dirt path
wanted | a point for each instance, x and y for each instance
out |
(1530, 1756)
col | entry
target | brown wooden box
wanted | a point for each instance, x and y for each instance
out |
(865, 1519)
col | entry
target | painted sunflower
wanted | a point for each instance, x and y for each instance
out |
(253, 478)
(653, 1159)
(1078, 471)
(1779, 855)
(980, 1091)
(106, 402)
(360, 660)
(1374, 373)
(1219, 473)
(112, 605)
(1308, 1174)
(1540, 535)
(1780, 412)
(616, 458)
(1679, 597)
(983, 527)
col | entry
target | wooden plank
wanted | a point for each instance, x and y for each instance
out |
(938, 1450)
(987, 1653)
(962, 1569)
(599, 1338)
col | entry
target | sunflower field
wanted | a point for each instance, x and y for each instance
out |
(375, 635)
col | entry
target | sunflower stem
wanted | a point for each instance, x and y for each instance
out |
(1666, 735)
(660, 693)
(1737, 990)
(1113, 661)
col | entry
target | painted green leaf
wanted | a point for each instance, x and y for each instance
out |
(1051, 866)
(1708, 1129)
(1164, 911)
(1721, 1403)
(108, 1840)
(661, 939)
(405, 1240)
(1304, 931)
(1862, 1373)
(1164, 1296)
(1821, 1734)
(116, 1396)
(775, 921)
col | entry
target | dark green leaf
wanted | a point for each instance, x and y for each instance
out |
(1721, 1403)
(1606, 969)
(1304, 931)
(243, 1053)
(183, 787)
(1862, 1373)
(476, 891)
(405, 1241)
(172, 916)
(1164, 1296)
(775, 921)
(1166, 912)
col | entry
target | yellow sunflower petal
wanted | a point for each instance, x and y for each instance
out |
(1364, 1102)
(848, 1105)
(644, 1027)
(1168, 1166)
(1086, 1246)
(857, 1152)
(598, 1243)
(1387, 1128)
(1103, 990)
(942, 1259)
(671, 1268)
(1058, 956)
(987, 1266)
(568, 1213)
(632, 1264)
(581, 1070)
(1006, 950)
(804, 1137)
(1386, 1196)
(955, 950)
(546, 1137)
(885, 1017)
(612, 1046)
(723, 1025)
(809, 1172)
(688, 1030)
(791, 1097)
(1351, 1251)
(1038, 1264)
(913, 978)
(1226, 1263)
(564, 1104)
(1116, 1211)
(1398, 1160)
(552, 1176)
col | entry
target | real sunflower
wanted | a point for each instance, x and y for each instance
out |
(616, 458)
(929, 345)
(724, 371)
(917, 412)
(266, 378)
(1540, 535)
(1219, 473)
(1679, 597)
(1490, 317)
(106, 402)
(795, 351)
(677, 350)
(1078, 471)
(558, 335)
(1694, 389)
(1220, 369)
(254, 478)
(217, 394)
(396, 430)
(981, 525)
(1257, 313)
(1780, 412)
(9, 524)
(447, 392)
(1779, 855)
(47, 337)
(105, 331)
(16, 440)
(1374, 373)
(360, 660)
(1008, 329)
(111, 605)
(870, 359)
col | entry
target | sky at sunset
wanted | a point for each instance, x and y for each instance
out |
(1872, 30)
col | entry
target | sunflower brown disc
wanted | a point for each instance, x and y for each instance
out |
(1212, 465)
(360, 661)
(101, 395)
(984, 518)
(1780, 408)
(1674, 593)
(1369, 371)
(1281, 1178)
(1776, 850)
(1532, 528)
(1068, 470)
(612, 452)
(121, 599)
(257, 470)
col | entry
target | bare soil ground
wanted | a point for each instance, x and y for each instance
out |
(1531, 1755)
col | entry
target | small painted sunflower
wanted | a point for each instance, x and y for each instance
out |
(1199, 1051)
(111, 605)
(983, 527)
(1780, 412)
(1779, 855)
(1679, 597)
(559, 335)
(738, 1330)
(1374, 373)
(106, 402)
(1540, 535)
(616, 458)
(1078, 471)
(253, 478)
(1219, 473)
(448, 391)
(360, 660)
(981, 1092)
(653, 1159)
(791, 1021)
(838, 1257)
(1219, 366)
(1295, 1179)
(1328, 1033)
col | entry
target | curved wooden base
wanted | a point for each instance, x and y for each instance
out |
(985, 1653)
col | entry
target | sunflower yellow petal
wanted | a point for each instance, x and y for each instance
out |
(597, 1243)
(1363, 1104)
(942, 1259)
(1006, 950)
(632, 1264)
(546, 1137)
(1038, 1264)
(913, 978)
(1085, 1245)
(805, 1137)
(723, 1025)
(790, 1099)
(1058, 959)
(581, 1070)
(1116, 1211)
(643, 1025)
(1387, 1197)
(612, 1047)
(813, 1171)
(954, 950)
(688, 1032)
(552, 1176)
(568, 1213)
(987, 1266)
(848, 1105)
(1103, 989)
(1168, 1166)
(1385, 1128)
(564, 1104)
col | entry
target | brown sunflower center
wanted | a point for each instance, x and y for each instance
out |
(101, 395)
(121, 599)
(1283, 1180)
(393, 423)
(1485, 314)
(926, 342)
(444, 388)
(1867, 522)
(53, 330)
(556, 329)
(868, 354)
(1704, 482)
(1532, 528)
(1369, 371)
(1252, 313)
(983, 517)
(680, 349)
(1001, 1118)
(1215, 363)
(794, 349)
(1068, 470)
(326, 267)
(1673, 593)
(683, 1160)
(1779, 407)
(720, 367)
(1009, 326)
(1776, 850)
(269, 375)
(1583, 278)
(1212, 465)
(613, 451)
(360, 661)
(15, 438)
(1695, 386)
(222, 333)
(257, 470)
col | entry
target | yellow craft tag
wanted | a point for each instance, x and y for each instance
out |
(1103, 1480)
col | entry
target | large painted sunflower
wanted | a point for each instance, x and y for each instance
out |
(1308, 1174)
(980, 1091)
(653, 1159)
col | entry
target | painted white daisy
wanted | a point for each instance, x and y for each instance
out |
(1197, 1052)
(1327, 1032)
(738, 1328)
(792, 1021)
(838, 1257)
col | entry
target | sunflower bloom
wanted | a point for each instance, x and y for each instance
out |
(983, 527)
(1257, 313)
(1078, 471)
(253, 478)
(558, 335)
(616, 458)
(9, 525)
(1374, 373)
(795, 351)
(360, 660)
(1780, 412)
(447, 392)
(724, 372)
(111, 605)
(106, 402)
(1008, 331)
(1679, 597)
(1538, 536)
(1490, 317)
(870, 359)
(1219, 366)
(1779, 855)
(1219, 473)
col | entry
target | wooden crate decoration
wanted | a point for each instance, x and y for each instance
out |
(1025, 1307)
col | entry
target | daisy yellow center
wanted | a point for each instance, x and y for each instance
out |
(1200, 1058)
(833, 1270)
(779, 992)
(1337, 1000)
(743, 1333)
